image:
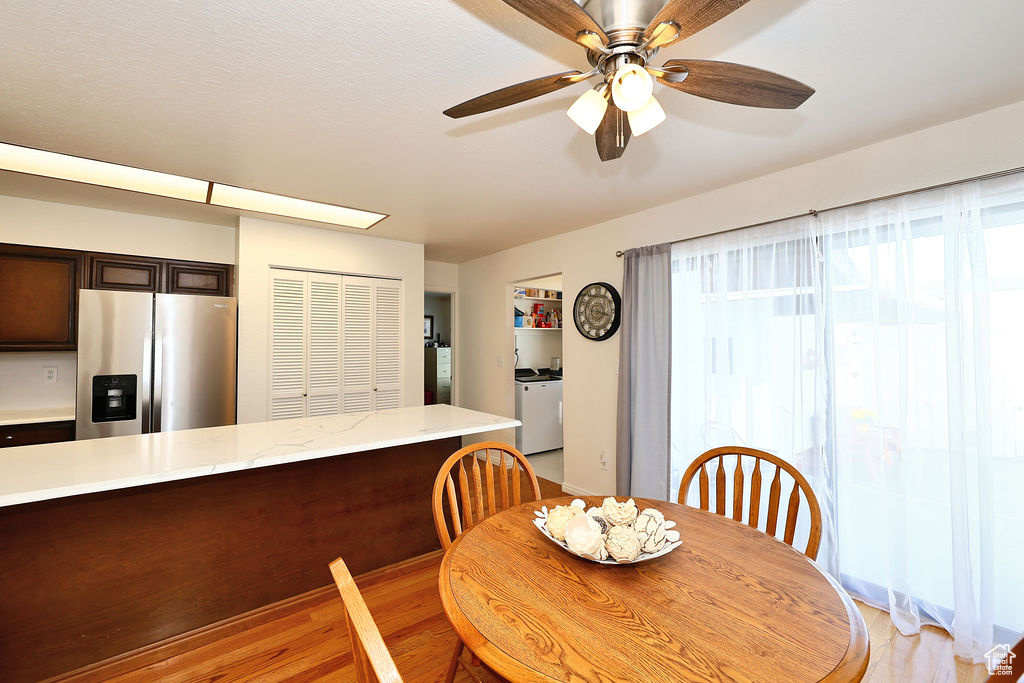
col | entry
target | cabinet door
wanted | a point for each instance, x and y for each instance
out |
(357, 344)
(387, 344)
(324, 340)
(287, 344)
(38, 292)
(199, 278)
(42, 432)
(125, 273)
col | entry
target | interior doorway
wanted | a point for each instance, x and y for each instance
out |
(438, 351)
(537, 379)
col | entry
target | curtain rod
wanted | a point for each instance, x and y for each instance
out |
(815, 212)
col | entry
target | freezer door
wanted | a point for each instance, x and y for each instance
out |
(539, 407)
(194, 362)
(115, 332)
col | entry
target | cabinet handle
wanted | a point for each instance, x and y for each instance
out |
(9, 437)
(375, 388)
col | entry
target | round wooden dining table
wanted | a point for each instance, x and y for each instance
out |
(730, 604)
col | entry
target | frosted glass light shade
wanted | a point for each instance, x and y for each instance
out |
(632, 87)
(646, 117)
(588, 111)
(66, 167)
(265, 202)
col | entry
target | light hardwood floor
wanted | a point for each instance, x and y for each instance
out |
(310, 644)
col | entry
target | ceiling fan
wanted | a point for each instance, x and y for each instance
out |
(620, 48)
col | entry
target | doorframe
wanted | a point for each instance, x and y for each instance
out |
(453, 315)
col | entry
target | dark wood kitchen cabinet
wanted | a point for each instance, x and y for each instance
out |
(131, 273)
(185, 277)
(38, 298)
(39, 289)
(36, 432)
(141, 274)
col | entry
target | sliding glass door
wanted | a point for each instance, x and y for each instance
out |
(878, 349)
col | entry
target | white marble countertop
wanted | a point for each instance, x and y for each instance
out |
(19, 417)
(46, 471)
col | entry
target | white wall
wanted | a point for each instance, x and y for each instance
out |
(537, 348)
(22, 386)
(985, 143)
(68, 226)
(440, 276)
(265, 243)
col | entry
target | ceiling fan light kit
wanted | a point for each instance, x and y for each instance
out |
(632, 87)
(646, 117)
(620, 48)
(589, 108)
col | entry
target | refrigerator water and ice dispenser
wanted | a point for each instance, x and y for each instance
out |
(114, 397)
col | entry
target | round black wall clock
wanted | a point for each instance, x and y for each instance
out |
(597, 311)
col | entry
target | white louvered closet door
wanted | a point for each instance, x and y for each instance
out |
(288, 345)
(357, 344)
(387, 340)
(324, 343)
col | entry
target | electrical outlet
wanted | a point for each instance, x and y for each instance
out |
(49, 374)
(604, 461)
(501, 361)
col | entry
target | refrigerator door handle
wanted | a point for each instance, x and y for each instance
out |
(158, 373)
(147, 378)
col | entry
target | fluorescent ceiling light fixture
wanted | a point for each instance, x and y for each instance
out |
(265, 202)
(78, 169)
(92, 172)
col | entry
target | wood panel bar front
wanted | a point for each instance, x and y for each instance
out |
(89, 577)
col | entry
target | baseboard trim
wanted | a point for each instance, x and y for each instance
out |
(169, 647)
(576, 491)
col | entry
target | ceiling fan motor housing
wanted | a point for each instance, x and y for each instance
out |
(623, 21)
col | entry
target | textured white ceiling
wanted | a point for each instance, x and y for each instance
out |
(341, 102)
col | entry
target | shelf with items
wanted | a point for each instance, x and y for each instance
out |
(535, 298)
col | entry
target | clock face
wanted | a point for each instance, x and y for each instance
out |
(596, 311)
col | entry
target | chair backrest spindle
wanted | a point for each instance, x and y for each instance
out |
(773, 502)
(755, 494)
(737, 491)
(720, 487)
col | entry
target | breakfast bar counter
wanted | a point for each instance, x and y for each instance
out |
(112, 545)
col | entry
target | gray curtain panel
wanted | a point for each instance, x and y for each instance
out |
(645, 350)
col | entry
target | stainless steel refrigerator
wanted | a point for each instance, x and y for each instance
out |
(154, 362)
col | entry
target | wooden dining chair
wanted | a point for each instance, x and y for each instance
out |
(500, 485)
(774, 492)
(370, 655)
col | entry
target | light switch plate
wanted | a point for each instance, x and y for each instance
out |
(49, 374)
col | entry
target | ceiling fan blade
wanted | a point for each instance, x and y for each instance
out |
(691, 15)
(513, 94)
(613, 134)
(737, 84)
(564, 17)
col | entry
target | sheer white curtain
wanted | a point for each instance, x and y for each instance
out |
(748, 355)
(892, 376)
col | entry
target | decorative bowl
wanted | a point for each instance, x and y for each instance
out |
(671, 535)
